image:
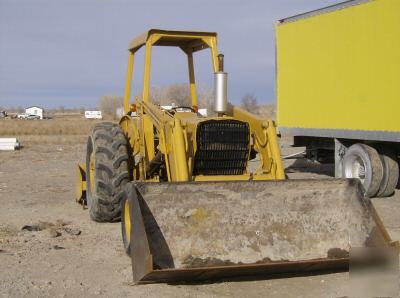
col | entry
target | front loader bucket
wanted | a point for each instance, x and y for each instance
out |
(207, 230)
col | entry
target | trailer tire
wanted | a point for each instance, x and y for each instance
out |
(390, 173)
(363, 162)
(107, 156)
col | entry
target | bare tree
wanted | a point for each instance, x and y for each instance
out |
(178, 94)
(109, 103)
(205, 96)
(158, 95)
(249, 103)
(20, 109)
(267, 111)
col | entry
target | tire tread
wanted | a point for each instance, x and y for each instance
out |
(110, 148)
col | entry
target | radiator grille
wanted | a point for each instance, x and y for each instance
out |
(222, 147)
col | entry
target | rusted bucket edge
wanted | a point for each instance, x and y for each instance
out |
(241, 271)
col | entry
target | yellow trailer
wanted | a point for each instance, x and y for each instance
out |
(338, 88)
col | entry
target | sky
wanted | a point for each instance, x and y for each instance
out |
(69, 53)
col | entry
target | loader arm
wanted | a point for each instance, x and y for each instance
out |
(172, 140)
(265, 142)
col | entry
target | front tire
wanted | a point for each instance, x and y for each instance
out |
(107, 171)
(364, 163)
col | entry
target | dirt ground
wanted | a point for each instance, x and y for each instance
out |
(50, 248)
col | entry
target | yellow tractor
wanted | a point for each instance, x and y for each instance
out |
(190, 206)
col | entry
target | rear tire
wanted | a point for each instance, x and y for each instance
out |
(107, 154)
(390, 172)
(363, 162)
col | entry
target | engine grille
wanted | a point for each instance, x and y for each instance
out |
(222, 147)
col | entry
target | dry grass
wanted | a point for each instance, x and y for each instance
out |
(60, 130)
(28, 141)
(56, 126)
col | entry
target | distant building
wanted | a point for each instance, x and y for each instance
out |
(37, 111)
(93, 115)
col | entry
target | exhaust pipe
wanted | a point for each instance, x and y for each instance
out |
(220, 87)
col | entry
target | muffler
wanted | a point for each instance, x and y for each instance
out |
(220, 88)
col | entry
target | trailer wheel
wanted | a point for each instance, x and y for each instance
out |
(107, 171)
(363, 162)
(390, 172)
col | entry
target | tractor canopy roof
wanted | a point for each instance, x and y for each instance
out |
(195, 40)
